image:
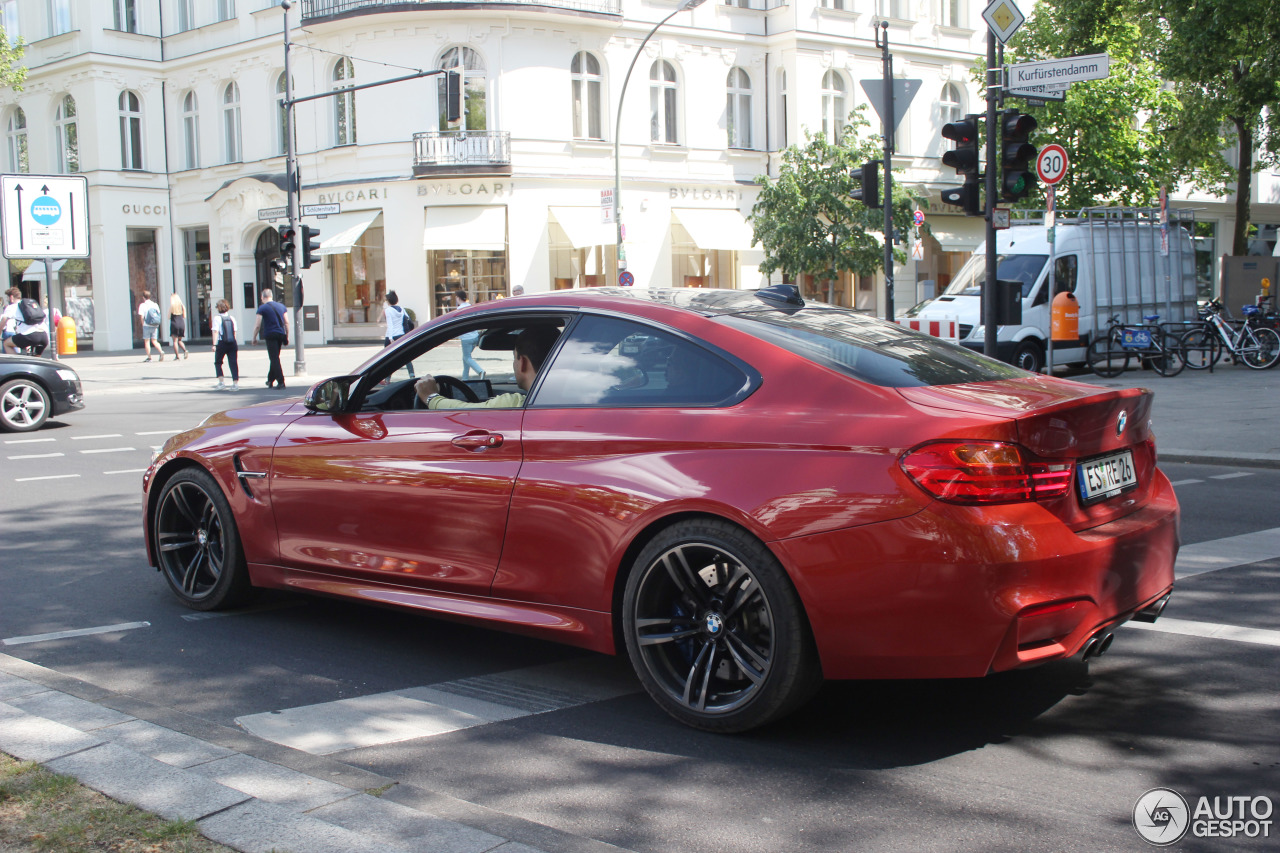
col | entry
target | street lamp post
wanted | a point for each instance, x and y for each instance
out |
(617, 130)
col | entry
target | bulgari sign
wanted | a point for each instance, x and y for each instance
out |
(696, 194)
(477, 189)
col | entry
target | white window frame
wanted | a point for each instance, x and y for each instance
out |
(835, 115)
(186, 15)
(66, 136)
(587, 88)
(59, 17)
(131, 154)
(783, 132)
(950, 108)
(282, 122)
(231, 131)
(191, 129)
(953, 14)
(126, 15)
(16, 139)
(467, 62)
(226, 10)
(9, 18)
(344, 106)
(664, 103)
(895, 10)
(739, 116)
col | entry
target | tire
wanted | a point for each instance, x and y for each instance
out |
(1107, 358)
(1266, 352)
(24, 405)
(1168, 362)
(1029, 355)
(1200, 349)
(197, 545)
(715, 630)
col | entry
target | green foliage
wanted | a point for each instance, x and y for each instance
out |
(12, 73)
(805, 219)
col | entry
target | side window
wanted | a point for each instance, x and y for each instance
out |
(1064, 274)
(612, 362)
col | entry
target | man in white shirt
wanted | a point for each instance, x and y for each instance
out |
(149, 314)
(23, 334)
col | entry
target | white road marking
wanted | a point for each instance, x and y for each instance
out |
(1185, 482)
(1231, 476)
(1227, 553)
(89, 437)
(81, 632)
(108, 450)
(1260, 636)
(27, 440)
(37, 455)
(50, 477)
(127, 471)
(159, 432)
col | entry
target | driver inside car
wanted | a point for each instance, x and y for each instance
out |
(529, 352)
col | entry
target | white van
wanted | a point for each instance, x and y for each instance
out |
(1114, 260)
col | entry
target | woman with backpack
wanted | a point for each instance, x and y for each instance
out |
(225, 344)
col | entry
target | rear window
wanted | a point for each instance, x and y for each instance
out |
(871, 350)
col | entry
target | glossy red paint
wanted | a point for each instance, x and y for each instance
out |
(535, 533)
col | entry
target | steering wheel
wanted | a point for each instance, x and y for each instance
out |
(450, 384)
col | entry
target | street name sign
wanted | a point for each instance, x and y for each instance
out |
(268, 213)
(321, 209)
(1004, 18)
(45, 216)
(1073, 69)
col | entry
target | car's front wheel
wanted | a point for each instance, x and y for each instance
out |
(715, 630)
(197, 544)
(24, 405)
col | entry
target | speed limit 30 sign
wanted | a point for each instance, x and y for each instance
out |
(1051, 165)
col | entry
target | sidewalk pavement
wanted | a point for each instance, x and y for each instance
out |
(254, 795)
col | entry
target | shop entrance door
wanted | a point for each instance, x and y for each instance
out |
(143, 275)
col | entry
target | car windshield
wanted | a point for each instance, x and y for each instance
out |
(871, 350)
(1024, 268)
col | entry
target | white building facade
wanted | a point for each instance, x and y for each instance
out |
(173, 110)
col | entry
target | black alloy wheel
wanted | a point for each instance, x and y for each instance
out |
(715, 630)
(24, 405)
(197, 543)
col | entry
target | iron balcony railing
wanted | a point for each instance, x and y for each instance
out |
(313, 9)
(462, 150)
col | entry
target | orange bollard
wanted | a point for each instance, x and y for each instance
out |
(66, 336)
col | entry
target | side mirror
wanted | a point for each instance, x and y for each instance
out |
(330, 396)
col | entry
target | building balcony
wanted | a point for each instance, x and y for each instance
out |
(314, 10)
(462, 152)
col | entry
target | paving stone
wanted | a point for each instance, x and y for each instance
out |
(69, 710)
(163, 744)
(272, 783)
(258, 827)
(11, 687)
(31, 738)
(414, 830)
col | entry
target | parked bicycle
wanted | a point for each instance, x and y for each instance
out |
(1255, 345)
(1109, 353)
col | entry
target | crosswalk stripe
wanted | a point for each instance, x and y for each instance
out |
(1226, 553)
(1190, 628)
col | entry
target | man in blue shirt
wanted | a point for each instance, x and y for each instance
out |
(272, 326)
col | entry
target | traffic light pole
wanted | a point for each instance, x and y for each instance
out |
(994, 83)
(882, 41)
(293, 192)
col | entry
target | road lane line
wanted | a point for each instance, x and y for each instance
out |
(1185, 482)
(37, 455)
(88, 437)
(27, 440)
(1231, 476)
(108, 450)
(1189, 628)
(1227, 553)
(49, 477)
(80, 632)
(160, 432)
(127, 471)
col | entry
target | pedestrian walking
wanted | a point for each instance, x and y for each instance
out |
(468, 340)
(178, 327)
(274, 329)
(225, 345)
(149, 314)
(394, 320)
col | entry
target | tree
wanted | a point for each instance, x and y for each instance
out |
(805, 218)
(12, 74)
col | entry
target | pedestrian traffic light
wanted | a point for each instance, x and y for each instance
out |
(1016, 155)
(964, 157)
(310, 246)
(867, 178)
(453, 95)
(968, 196)
(288, 237)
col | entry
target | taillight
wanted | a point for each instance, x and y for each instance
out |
(984, 472)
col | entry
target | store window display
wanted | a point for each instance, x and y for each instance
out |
(360, 284)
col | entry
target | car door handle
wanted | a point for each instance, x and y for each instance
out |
(478, 440)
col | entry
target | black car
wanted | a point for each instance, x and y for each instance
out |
(32, 389)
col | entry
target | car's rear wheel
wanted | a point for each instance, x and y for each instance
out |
(197, 543)
(24, 405)
(715, 630)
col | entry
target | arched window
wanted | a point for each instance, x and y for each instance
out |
(468, 63)
(65, 137)
(17, 138)
(191, 130)
(587, 86)
(282, 117)
(231, 123)
(344, 105)
(739, 108)
(951, 105)
(834, 113)
(130, 131)
(664, 96)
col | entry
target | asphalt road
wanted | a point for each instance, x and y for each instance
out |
(1046, 759)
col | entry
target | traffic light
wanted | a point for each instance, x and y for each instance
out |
(288, 238)
(964, 157)
(967, 196)
(310, 246)
(1016, 155)
(453, 95)
(867, 177)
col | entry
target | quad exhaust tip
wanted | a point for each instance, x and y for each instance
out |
(1097, 645)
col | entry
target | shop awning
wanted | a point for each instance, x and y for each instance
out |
(35, 272)
(466, 227)
(958, 233)
(715, 229)
(345, 229)
(584, 228)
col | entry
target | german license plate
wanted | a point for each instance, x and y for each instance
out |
(1107, 476)
(1135, 338)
